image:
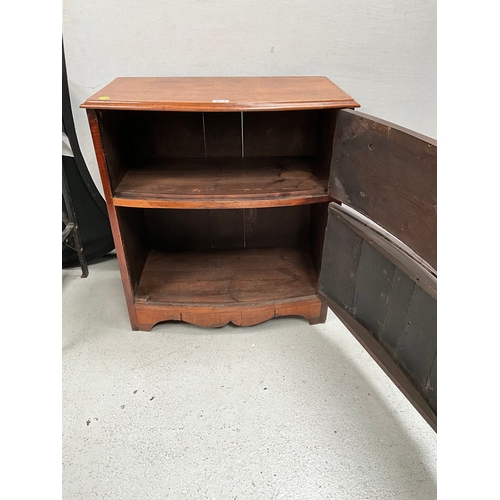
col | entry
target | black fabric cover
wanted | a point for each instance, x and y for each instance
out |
(90, 208)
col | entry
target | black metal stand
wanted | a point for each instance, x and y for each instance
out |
(71, 235)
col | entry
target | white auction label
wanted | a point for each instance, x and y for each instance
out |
(220, 100)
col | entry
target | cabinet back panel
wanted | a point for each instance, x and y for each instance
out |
(132, 136)
(178, 230)
(147, 134)
(281, 133)
(222, 134)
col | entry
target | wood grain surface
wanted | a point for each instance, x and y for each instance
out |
(125, 271)
(220, 94)
(227, 276)
(312, 309)
(223, 182)
(389, 174)
(213, 288)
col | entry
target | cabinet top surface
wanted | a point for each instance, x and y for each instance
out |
(220, 94)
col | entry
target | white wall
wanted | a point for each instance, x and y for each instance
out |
(381, 53)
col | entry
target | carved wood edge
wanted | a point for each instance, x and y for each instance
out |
(148, 315)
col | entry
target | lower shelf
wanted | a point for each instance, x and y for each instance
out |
(213, 288)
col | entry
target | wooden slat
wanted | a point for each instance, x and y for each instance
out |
(396, 312)
(222, 182)
(388, 174)
(227, 276)
(205, 94)
(418, 344)
(373, 284)
(430, 389)
(341, 252)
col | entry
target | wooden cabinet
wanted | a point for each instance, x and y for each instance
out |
(229, 200)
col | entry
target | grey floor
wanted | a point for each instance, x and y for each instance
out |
(281, 410)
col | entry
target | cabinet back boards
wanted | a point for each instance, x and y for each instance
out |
(241, 199)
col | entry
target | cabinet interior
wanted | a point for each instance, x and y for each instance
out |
(259, 183)
(223, 255)
(217, 155)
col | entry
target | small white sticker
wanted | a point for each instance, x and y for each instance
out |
(220, 100)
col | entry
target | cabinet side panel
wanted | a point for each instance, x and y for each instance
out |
(326, 124)
(122, 261)
(115, 136)
(135, 241)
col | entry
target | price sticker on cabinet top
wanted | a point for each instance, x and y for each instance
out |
(220, 100)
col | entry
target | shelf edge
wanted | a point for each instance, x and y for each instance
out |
(186, 203)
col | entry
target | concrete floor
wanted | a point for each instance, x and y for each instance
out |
(281, 410)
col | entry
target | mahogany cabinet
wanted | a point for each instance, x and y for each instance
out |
(240, 199)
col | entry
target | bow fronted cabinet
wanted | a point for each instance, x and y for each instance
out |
(243, 199)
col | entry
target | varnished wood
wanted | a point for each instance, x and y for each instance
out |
(223, 183)
(218, 211)
(213, 316)
(108, 195)
(237, 94)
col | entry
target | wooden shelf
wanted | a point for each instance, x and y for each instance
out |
(226, 277)
(223, 183)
